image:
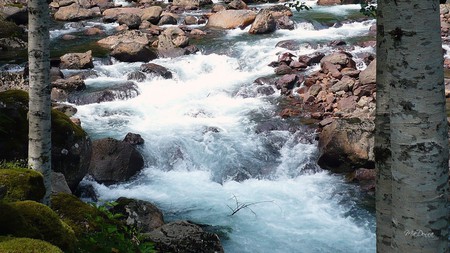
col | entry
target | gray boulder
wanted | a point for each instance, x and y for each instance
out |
(114, 161)
(140, 214)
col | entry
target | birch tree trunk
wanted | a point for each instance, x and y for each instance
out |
(382, 148)
(39, 135)
(419, 141)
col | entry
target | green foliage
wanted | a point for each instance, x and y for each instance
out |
(113, 235)
(369, 10)
(21, 183)
(34, 220)
(26, 245)
(97, 228)
(299, 6)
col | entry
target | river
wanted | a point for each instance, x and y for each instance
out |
(205, 151)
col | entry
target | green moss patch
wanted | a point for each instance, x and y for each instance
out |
(22, 184)
(34, 220)
(26, 245)
(9, 29)
(63, 129)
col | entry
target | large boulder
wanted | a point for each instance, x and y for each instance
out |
(34, 220)
(77, 60)
(346, 144)
(140, 214)
(264, 23)
(183, 236)
(172, 37)
(231, 19)
(133, 52)
(71, 146)
(24, 245)
(156, 69)
(133, 21)
(114, 161)
(75, 12)
(22, 184)
(111, 15)
(152, 14)
(126, 37)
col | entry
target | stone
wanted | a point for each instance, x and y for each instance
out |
(133, 52)
(167, 20)
(192, 3)
(345, 84)
(190, 20)
(283, 70)
(77, 60)
(73, 83)
(156, 69)
(139, 214)
(59, 183)
(114, 161)
(133, 21)
(231, 19)
(264, 23)
(172, 37)
(237, 5)
(368, 75)
(152, 14)
(120, 91)
(347, 144)
(75, 12)
(134, 139)
(183, 236)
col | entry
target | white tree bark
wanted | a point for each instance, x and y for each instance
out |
(419, 141)
(39, 142)
(382, 150)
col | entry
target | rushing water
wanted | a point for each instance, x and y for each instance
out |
(202, 130)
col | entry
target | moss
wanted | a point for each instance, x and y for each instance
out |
(34, 220)
(22, 184)
(9, 29)
(26, 245)
(63, 128)
(13, 124)
(79, 215)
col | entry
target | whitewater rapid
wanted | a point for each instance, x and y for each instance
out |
(200, 131)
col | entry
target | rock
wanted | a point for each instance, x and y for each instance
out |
(129, 19)
(287, 81)
(152, 14)
(347, 144)
(139, 214)
(231, 19)
(347, 104)
(13, 43)
(218, 7)
(182, 236)
(114, 161)
(333, 69)
(16, 14)
(127, 37)
(111, 15)
(283, 70)
(34, 220)
(59, 183)
(172, 37)
(315, 89)
(121, 91)
(368, 75)
(156, 69)
(167, 20)
(133, 139)
(345, 84)
(190, 20)
(22, 184)
(73, 83)
(13, 244)
(237, 5)
(197, 32)
(339, 58)
(71, 149)
(289, 44)
(264, 23)
(136, 76)
(74, 12)
(77, 60)
(13, 81)
(192, 3)
(133, 52)
(91, 31)
(336, 2)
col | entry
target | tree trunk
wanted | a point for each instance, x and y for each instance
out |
(382, 148)
(419, 141)
(39, 135)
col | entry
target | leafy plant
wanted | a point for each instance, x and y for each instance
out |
(113, 235)
(368, 9)
(299, 6)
